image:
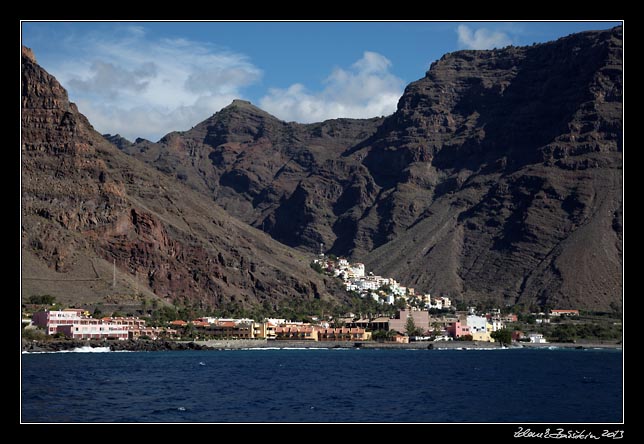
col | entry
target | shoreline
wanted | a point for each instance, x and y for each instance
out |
(246, 344)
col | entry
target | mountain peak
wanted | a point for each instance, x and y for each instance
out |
(240, 102)
(243, 104)
(27, 52)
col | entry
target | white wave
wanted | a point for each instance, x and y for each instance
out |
(287, 348)
(83, 349)
(473, 348)
(305, 348)
(260, 348)
(88, 349)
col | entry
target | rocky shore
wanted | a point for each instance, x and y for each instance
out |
(241, 344)
(129, 345)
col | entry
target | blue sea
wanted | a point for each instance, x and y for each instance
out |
(324, 386)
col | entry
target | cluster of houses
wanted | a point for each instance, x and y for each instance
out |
(277, 329)
(382, 289)
(76, 324)
(449, 325)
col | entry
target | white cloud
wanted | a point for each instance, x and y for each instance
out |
(366, 89)
(142, 87)
(482, 38)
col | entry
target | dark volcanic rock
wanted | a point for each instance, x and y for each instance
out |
(85, 203)
(114, 345)
(498, 177)
(118, 141)
(513, 158)
(287, 179)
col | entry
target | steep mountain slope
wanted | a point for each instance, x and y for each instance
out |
(498, 177)
(513, 159)
(285, 178)
(86, 206)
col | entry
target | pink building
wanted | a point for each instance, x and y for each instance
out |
(73, 324)
(94, 331)
(510, 318)
(50, 320)
(420, 317)
(457, 329)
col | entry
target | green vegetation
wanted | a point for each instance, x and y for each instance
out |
(411, 328)
(465, 338)
(504, 336)
(44, 299)
(317, 267)
(383, 335)
(439, 311)
(570, 332)
(34, 334)
(460, 306)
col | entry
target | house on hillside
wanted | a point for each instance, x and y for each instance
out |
(537, 338)
(564, 312)
(457, 329)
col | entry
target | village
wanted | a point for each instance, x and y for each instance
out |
(419, 317)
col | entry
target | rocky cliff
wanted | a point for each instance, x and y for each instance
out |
(286, 179)
(86, 206)
(512, 160)
(499, 176)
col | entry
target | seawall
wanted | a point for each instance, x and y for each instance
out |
(244, 344)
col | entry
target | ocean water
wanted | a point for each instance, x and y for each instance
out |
(324, 385)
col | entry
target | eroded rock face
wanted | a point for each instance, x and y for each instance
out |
(84, 200)
(513, 160)
(287, 179)
(498, 177)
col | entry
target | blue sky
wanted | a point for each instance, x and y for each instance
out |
(145, 79)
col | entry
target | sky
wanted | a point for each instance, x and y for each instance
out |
(146, 79)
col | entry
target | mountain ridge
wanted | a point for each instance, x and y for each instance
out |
(509, 160)
(87, 206)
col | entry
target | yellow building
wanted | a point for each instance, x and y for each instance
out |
(483, 335)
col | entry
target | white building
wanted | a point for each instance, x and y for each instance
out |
(350, 286)
(357, 270)
(342, 274)
(496, 324)
(399, 290)
(343, 263)
(537, 338)
(477, 324)
(365, 285)
(446, 302)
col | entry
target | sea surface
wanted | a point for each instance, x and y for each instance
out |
(324, 386)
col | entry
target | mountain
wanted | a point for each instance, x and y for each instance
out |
(117, 140)
(499, 177)
(89, 210)
(284, 178)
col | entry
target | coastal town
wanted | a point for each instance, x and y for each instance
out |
(418, 317)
